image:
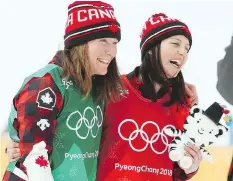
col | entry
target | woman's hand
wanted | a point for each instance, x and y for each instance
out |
(191, 93)
(13, 151)
(193, 152)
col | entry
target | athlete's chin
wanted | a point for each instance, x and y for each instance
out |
(173, 75)
(102, 72)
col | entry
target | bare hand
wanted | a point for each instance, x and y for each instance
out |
(193, 152)
(13, 151)
(191, 93)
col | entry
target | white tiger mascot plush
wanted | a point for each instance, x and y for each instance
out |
(201, 128)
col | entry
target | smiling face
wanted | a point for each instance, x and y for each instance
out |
(101, 52)
(201, 128)
(174, 54)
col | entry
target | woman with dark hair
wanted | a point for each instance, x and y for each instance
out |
(57, 114)
(134, 145)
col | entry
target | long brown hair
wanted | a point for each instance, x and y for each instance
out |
(76, 65)
(152, 72)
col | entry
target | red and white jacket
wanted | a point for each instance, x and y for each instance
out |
(134, 146)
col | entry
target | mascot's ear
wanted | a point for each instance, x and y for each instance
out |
(195, 109)
(221, 130)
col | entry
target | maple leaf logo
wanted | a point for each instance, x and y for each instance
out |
(47, 98)
(114, 28)
(42, 161)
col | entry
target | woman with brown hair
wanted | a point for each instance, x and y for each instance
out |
(57, 114)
